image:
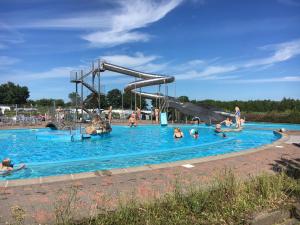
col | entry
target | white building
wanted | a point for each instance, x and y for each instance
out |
(3, 108)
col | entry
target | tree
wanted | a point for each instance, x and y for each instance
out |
(114, 98)
(183, 98)
(93, 101)
(128, 100)
(13, 94)
(59, 102)
(46, 102)
(73, 97)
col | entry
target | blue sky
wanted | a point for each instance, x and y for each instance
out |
(216, 49)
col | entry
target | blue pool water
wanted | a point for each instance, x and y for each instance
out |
(47, 152)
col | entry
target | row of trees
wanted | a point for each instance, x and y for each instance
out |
(11, 93)
(286, 104)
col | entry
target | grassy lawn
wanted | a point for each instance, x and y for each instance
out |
(227, 200)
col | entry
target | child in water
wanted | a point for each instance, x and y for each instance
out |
(194, 133)
(178, 133)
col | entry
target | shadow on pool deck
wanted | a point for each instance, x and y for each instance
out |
(289, 166)
(297, 144)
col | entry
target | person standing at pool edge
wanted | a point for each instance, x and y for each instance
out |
(138, 113)
(110, 114)
(156, 115)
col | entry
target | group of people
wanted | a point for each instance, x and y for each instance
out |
(239, 122)
(228, 123)
(179, 134)
(136, 116)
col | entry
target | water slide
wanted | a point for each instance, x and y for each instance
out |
(207, 114)
(145, 79)
(163, 119)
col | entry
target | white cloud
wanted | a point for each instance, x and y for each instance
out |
(8, 36)
(138, 59)
(54, 73)
(133, 15)
(85, 20)
(204, 70)
(205, 73)
(200, 2)
(270, 80)
(289, 2)
(2, 46)
(58, 72)
(282, 52)
(7, 61)
(114, 26)
(198, 69)
(112, 38)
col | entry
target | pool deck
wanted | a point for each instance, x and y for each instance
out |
(105, 189)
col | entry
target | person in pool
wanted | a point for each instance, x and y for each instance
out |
(6, 165)
(194, 133)
(242, 122)
(132, 121)
(227, 122)
(218, 130)
(178, 133)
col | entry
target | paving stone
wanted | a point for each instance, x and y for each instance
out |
(296, 210)
(291, 221)
(271, 218)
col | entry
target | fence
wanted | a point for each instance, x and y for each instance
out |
(21, 121)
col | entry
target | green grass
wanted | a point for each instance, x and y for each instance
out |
(226, 201)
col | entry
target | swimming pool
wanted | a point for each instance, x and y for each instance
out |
(46, 154)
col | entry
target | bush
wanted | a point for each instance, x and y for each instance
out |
(275, 117)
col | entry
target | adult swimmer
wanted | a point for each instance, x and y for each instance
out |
(218, 130)
(228, 122)
(178, 133)
(132, 121)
